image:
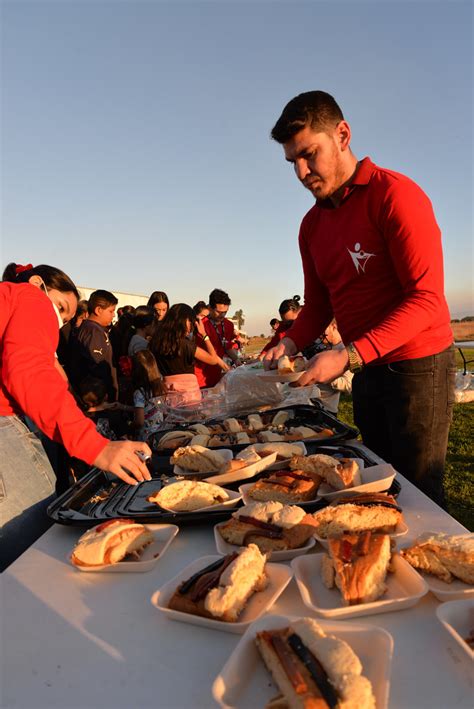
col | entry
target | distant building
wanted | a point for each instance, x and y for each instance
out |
(123, 298)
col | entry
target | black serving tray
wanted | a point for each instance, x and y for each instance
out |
(304, 415)
(80, 505)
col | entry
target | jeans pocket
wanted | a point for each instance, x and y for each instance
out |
(413, 367)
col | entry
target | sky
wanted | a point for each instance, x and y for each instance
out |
(135, 136)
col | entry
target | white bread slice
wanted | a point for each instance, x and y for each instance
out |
(198, 459)
(189, 495)
(443, 555)
(110, 542)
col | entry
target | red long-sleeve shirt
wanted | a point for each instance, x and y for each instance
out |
(29, 382)
(376, 264)
(222, 336)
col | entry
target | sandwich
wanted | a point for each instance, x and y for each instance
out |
(189, 495)
(200, 439)
(373, 512)
(198, 459)
(314, 670)
(222, 589)
(175, 439)
(232, 425)
(283, 450)
(286, 486)
(446, 556)
(266, 436)
(288, 365)
(270, 525)
(339, 473)
(280, 418)
(255, 422)
(357, 564)
(111, 542)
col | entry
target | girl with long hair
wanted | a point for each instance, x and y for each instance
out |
(159, 303)
(174, 347)
(148, 395)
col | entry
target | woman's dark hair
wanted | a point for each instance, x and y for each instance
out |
(126, 327)
(274, 321)
(125, 309)
(158, 296)
(81, 309)
(146, 375)
(170, 333)
(52, 277)
(200, 306)
(143, 316)
(289, 304)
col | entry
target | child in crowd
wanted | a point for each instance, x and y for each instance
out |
(174, 347)
(148, 395)
(142, 329)
(159, 303)
(92, 353)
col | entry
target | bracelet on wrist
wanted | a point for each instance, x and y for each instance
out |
(206, 337)
(356, 363)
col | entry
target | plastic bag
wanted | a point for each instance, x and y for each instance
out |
(464, 387)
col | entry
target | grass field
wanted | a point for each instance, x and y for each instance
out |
(459, 480)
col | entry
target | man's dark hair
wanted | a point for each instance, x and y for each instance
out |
(101, 299)
(315, 109)
(218, 296)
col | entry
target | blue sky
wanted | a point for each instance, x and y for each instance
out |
(135, 135)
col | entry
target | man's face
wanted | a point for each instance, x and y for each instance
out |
(218, 312)
(317, 161)
(105, 315)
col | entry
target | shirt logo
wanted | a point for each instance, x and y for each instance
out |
(98, 352)
(359, 258)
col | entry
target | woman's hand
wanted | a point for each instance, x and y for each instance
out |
(121, 459)
(224, 366)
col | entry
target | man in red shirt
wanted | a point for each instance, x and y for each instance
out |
(221, 333)
(372, 258)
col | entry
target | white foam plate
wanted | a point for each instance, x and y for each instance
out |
(234, 497)
(377, 478)
(164, 535)
(283, 462)
(400, 530)
(245, 682)
(225, 453)
(279, 576)
(243, 473)
(456, 590)
(224, 547)
(243, 489)
(458, 619)
(405, 587)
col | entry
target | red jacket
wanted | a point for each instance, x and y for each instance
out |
(376, 263)
(278, 335)
(222, 337)
(29, 382)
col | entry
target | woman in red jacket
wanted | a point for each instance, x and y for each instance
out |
(34, 304)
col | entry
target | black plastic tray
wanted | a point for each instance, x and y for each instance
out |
(305, 415)
(79, 505)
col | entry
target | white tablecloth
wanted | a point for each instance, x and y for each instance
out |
(72, 639)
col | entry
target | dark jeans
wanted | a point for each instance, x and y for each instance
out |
(403, 411)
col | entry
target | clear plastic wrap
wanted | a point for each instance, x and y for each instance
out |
(240, 390)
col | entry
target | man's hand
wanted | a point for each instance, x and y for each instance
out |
(285, 347)
(324, 367)
(120, 458)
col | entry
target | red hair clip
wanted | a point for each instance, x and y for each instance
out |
(20, 269)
